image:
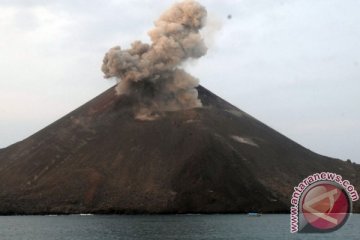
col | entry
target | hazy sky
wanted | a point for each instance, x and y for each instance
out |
(292, 64)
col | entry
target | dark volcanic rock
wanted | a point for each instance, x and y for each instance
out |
(212, 159)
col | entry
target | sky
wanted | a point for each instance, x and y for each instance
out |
(292, 64)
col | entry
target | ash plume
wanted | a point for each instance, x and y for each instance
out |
(151, 73)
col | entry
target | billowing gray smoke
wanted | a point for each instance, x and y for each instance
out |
(151, 73)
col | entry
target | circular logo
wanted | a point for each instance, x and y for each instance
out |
(325, 206)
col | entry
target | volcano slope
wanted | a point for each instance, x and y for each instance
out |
(214, 159)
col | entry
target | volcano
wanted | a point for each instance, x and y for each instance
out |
(213, 159)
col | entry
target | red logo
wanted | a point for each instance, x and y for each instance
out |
(325, 207)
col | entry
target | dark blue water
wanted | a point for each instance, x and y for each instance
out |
(161, 227)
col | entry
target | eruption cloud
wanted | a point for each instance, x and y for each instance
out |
(151, 73)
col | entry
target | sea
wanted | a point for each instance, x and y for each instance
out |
(158, 227)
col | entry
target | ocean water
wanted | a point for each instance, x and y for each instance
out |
(103, 227)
